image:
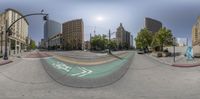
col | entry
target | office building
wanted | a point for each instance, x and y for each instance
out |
(42, 44)
(152, 25)
(128, 34)
(196, 37)
(73, 35)
(51, 28)
(131, 41)
(196, 33)
(19, 32)
(87, 45)
(55, 41)
(122, 37)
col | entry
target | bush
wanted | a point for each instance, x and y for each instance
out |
(166, 54)
(197, 55)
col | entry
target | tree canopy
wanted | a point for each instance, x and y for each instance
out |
(99, 42)
(144, 38)
(162, 38)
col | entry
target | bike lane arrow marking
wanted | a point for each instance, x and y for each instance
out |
(87, 73)
(83, 72)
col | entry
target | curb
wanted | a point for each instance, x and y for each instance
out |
(157, 60)
(175, 65)
(5, 62)
(185, 65)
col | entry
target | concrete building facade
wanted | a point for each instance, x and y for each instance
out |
(122, 37)
(196, 33)
(87, 45)
(152, 25)
(17, 41)
(128, 35)
(55, 41)
(131, 41)
(51, 28)
(196, 37)
(42, 44)
(73, 34)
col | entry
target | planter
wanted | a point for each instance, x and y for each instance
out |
(159, 54)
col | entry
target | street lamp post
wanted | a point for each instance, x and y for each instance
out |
(6, 42)
(47, 27)
(1, 39)
(109, 42)
(174, 44)
(109, 37)
(90, 42)
(8, 31)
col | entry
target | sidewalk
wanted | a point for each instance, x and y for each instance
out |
(91, 61)
(180, 61)
(86, 58)
(3, 62)
(84, 55)
(13, 58)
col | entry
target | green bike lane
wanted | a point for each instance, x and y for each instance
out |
(77, 72)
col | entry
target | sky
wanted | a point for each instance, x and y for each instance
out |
(177, 15)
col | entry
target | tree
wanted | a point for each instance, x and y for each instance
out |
(144, 38)
(99, 42)
(113, 44)
(32, 45)
(162, 38)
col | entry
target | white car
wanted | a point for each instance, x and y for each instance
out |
(140, 51)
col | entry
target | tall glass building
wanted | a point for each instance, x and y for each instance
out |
(51, 28)
(152, 25)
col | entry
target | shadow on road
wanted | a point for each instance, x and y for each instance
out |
(116, 56)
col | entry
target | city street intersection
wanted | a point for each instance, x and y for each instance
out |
(26, 78)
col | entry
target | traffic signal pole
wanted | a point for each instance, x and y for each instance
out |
(6, 42)
(109, 42)
(8, 31)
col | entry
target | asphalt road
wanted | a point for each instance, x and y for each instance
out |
(88, 76)
(145, 79)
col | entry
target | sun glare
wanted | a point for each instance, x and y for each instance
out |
(100, 18)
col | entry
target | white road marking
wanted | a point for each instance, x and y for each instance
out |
(83, 73)
(62, 66)
(88, 72)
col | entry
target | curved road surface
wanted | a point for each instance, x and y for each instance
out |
(87, 76)
(145, 79)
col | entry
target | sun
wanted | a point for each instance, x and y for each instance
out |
(99, 18)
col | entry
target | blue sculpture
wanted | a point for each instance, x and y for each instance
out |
(189, 53)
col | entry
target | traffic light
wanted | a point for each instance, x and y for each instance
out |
(9, 32)
(45, 17)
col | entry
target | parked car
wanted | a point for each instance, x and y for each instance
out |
(145, 50)
(140, 51)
